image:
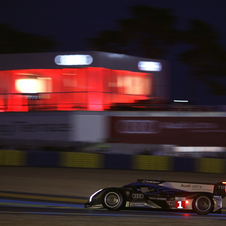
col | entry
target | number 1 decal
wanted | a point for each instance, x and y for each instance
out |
(180, 204)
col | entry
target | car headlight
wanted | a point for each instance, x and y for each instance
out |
(91, 197)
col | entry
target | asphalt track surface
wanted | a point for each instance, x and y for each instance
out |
(32, 204)
(20, 202)
(56, 208)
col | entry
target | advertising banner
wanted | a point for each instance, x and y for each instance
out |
(54, 126)
(45, 126)
(182, 131)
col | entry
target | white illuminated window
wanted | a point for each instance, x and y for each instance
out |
(149, 66)
(33, 85)
(73, 59)
(134, 85)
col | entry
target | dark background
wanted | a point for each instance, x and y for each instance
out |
(70, 22)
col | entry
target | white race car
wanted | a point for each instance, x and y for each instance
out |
(165, 195)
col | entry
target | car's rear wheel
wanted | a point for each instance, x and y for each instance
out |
(113, 200)
(203, 204)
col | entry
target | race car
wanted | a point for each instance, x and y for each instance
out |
(165, 195)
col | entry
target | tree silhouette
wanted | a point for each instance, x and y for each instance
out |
(206, 57)
(151, 33)
(12, 41)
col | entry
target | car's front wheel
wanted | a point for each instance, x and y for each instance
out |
(113, 200)
(203, 204)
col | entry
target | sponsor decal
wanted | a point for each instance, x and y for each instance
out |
(137, 196)
(189, 186)
(154, 126)
(26, 127)
(138, 126)
(151, 181)
(221, 187)
(157, 198)
(171, 203)
(180, 204)
(192, 186)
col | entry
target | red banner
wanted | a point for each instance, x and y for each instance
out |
(182, 131)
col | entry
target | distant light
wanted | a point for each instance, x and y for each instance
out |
(149, 66)
(180, 101)
(26, 85)
(34, 85)
(73, 59)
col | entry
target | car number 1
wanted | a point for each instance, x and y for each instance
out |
(180, 204)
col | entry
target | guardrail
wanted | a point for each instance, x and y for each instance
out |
(110, 161)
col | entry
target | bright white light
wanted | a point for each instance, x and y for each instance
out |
(35, 85)
(180, 101)
(149, 66)
(91, 197)
(73, 59)
(26, 85)
(198, 149)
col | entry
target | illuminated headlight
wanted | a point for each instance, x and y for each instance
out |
(91, 197)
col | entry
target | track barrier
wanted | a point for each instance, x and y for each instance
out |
(110, 161)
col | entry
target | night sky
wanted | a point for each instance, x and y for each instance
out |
(68, 22)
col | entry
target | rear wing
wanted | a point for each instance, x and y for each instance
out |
(216, 189)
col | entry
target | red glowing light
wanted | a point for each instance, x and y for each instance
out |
(90, 88)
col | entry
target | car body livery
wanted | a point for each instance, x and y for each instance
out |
(158, 194)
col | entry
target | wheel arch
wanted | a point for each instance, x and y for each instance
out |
(115, 193)
(203, 203)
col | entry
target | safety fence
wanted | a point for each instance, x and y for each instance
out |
(110, 161)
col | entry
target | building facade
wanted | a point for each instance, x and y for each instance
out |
(79, 81)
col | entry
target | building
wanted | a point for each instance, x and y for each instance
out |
(58, 85)
(79, 81)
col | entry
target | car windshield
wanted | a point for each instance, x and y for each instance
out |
(148, 189)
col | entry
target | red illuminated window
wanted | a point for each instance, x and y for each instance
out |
(71, 89)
